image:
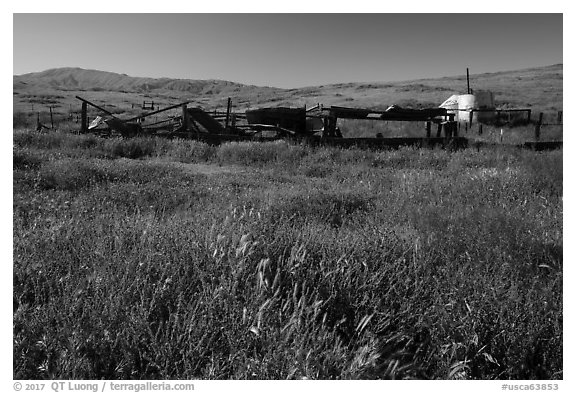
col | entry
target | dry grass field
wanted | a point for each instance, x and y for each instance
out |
(150, 258)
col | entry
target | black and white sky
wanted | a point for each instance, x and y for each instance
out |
(287, 50)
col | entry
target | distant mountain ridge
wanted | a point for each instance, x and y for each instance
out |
(74, 78)
(69, 78)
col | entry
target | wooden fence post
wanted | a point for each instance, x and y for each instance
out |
(428, 129)
(184, 117)
(84, 124)
(537, 128)
(480, 129)
(51, 118)
(228, 107)
(453, 129)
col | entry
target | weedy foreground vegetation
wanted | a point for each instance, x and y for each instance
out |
(151, 258)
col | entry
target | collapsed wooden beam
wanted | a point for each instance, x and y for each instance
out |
(158, 111)
(97, 107)
(392, 114)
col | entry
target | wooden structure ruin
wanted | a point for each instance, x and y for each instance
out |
(317, 125)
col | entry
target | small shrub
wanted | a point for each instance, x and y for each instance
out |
(83, 141)
(247, 153)
(48, 140)
(189, 151)
(317, 170)
(27, 159)
(329, 206)
(546, 172)
(131, 147)
(22, 120)
(69, 174)
(261, 153)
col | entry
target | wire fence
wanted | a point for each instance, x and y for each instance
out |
(499, 125)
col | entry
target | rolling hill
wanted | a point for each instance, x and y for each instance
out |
(536, 88)
(71, 79)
